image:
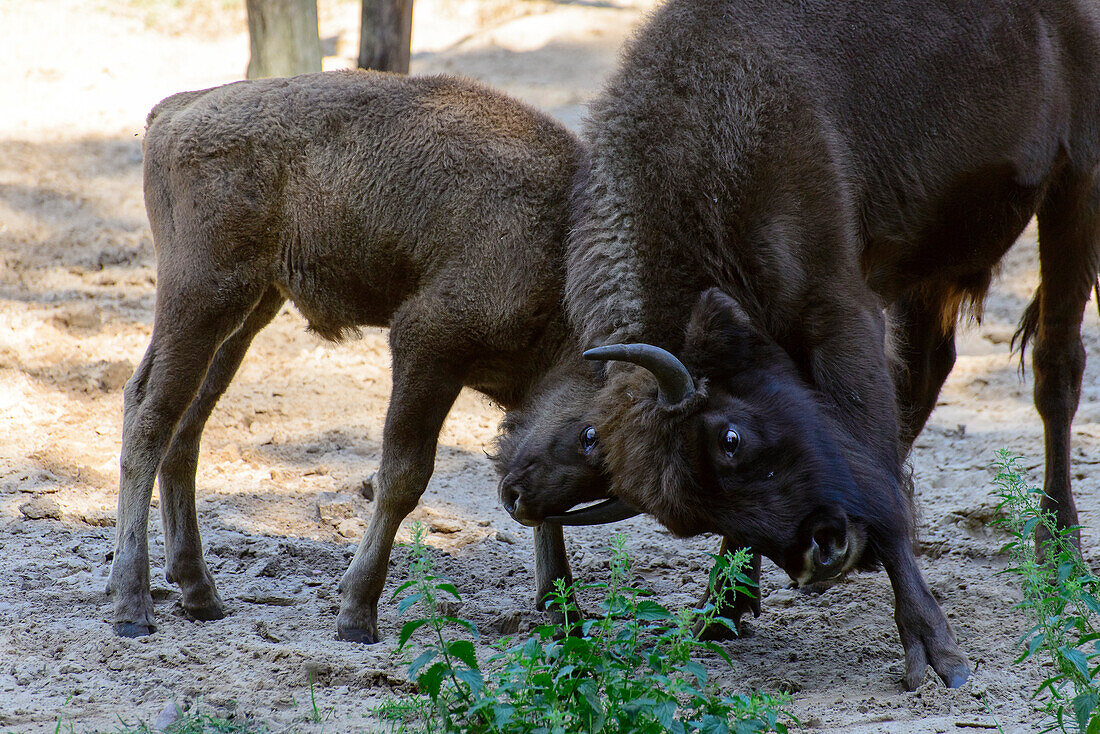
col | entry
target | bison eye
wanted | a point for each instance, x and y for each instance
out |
(588, 439)
(731, 441)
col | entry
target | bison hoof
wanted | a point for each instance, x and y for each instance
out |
(205, 614)
(357, 634)
(956, 677)
(131, 629)
(953, 675)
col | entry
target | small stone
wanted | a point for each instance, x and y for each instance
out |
(167, 716)
(332, 507)
(445, 525)
(506, 537)
(352, 527)
(782, 597)
(99, 517)
(449, 607)
(41, 508)
(265, 632)
(786, 685)
(507, 622)
(269, 599)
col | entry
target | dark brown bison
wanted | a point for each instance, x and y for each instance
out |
(430, 205)
(819, 162)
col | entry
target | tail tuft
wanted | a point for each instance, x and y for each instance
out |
(1029, 326)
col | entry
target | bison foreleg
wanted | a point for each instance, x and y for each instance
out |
(551, 564)
(926, 635)
(427, 377)
(924, 355)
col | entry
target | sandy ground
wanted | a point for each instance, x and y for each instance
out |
(286, 449)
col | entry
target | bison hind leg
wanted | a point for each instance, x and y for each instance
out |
(183, 544)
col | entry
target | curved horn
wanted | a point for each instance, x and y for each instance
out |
(674, 383)
(612, 510)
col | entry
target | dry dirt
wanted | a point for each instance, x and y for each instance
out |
(284, 453)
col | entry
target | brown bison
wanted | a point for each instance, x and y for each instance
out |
(430, 205)
(819, 162)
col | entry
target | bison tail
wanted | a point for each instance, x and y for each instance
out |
(1029, 325)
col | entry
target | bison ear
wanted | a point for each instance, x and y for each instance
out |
(720, 339)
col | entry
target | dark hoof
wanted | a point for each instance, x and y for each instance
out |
(366, 489)
(205, 614)
(130, 629)
(957, 677)
(355, 634)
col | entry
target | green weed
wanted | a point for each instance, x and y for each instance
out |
(1060, 598)
(631, 668)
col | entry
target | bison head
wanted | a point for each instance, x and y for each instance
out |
(731, 441)
(548, 454)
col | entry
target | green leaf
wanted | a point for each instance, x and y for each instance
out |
(1078, 659)
(1035, 644)
(664, 712)
(1083, 706)
(424, 658)
(431, 679)
(402, 587)
(697, 670)
(471, 677)
(450, 589)
(408, 629)
(464, 651)
(408, 601)
(651, 611)
(587, 689)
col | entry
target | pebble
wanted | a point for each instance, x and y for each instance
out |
(169, 715)
(507, 622)
(352, 527)
(268, 599)
(99, 517)
(332, 507)
(506, 537)
(445, 525)
(41, 508)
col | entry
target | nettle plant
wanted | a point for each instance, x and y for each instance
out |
(1061, 599)
(631, 668)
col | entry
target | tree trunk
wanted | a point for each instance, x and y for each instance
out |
(283, 38)
(385, 35)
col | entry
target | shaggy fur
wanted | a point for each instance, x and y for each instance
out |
(821, 160)
(430, 205)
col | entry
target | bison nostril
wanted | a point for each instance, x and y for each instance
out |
(509, 497)
(829, 559)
